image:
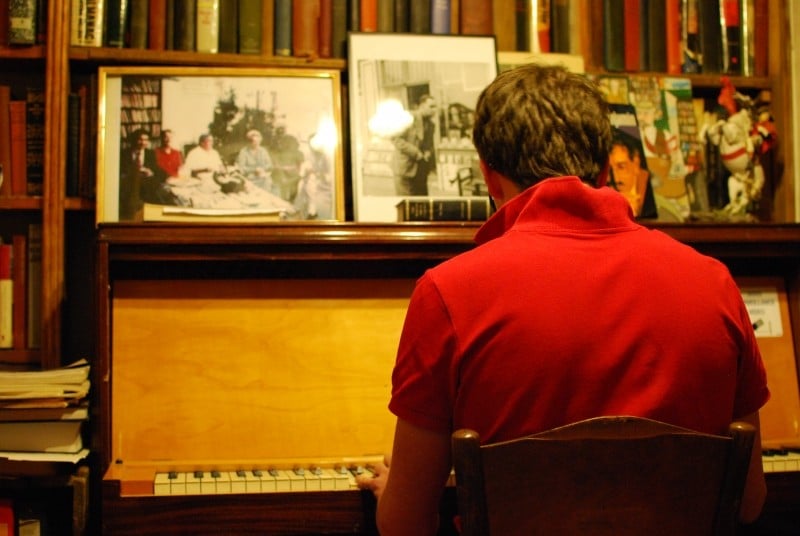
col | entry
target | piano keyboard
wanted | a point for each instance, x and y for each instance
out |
(256, 481)
(781, 460)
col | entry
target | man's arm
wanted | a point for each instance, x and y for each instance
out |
(409, 496)
(755, 488)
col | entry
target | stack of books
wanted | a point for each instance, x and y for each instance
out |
(42, 416)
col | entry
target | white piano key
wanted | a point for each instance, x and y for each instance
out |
(238, 481)
(193, 482)
(268, 483)
(252, 481)
(282, 479)
(208, 484)
(223, 482)
(297, 479)
(327, 479)
(161, 484)
(177, 483)
(313, 481)
(343, 478)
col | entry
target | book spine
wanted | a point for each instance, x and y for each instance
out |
(185, 24)
(22, 19)
(325, 29)
(443, 210)
(613, 35)
(283, 28)
(401, 16)
(34, 134)
(19, 148)
(631, 29)
(169, 26)
(369, 15)
(139, 22)
(543, 23)
(305, 28)
(354, 15)
(19, 245)
(656, 36)
(710, 18)
(476, 17)
(73, 148)
(560, 20)
(6, 298)
(267, 28)
(690, 37)
(157, 30)
(419, 20)
(731, 36)
(761, 38)
(207, 32)
(522, 26)
(384, 16)
(440, 17)
(229, 26)
(34, 276)
(116, 22)
(672, 21)
(339, 28)
(250, 18)
(5, 140)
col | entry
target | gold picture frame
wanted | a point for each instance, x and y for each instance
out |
(211, 145)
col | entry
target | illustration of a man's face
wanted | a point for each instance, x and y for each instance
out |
(627, 172)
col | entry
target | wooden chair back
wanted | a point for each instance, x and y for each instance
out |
(613, 475)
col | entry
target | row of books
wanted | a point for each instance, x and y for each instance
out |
(686, 36)
(302, 28)
(21, 142)
(20, 287)
(23, 22)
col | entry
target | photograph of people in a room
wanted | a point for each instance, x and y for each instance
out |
(222, 144)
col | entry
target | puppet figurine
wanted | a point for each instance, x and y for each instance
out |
(742, 139)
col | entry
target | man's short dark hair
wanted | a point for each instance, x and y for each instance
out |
(538, 121)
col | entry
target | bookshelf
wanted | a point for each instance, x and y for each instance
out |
(68, 231)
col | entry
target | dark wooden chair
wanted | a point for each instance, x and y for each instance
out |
(607, 475)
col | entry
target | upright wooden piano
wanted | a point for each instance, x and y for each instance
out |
(244, 371)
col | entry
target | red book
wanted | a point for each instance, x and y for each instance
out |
(672, 19)
(5, 140)
(19, 260)
(761, 38)
(305, 28)
(632, 22)
(325, 29)
(19, 148)
(6, 298)
(157, 33)
(369, 15)
(476, 17)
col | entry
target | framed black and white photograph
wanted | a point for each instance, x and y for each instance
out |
(219, 145)
(412, 104)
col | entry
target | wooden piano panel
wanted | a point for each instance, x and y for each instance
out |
(226, 372)
(780, 416)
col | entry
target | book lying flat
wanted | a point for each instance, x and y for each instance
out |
(49, 436)
(70, 413)
(67, 382)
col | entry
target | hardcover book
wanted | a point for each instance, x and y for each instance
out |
(305, 28)
(6, 298)
(443, 209)
(34, 126)
(22, 22)
(207, 32)
(5, 140)
(19, 148)
(116, 22)
(48, 436)
(283, 28)
(476, 17)
(185, 24)
(229, 26)
(86, 26)
(250, 26)
(613, 35)
(157, 20)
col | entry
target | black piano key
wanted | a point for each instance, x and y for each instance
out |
(215, 474)
(299, 471)
(198, 474)
(257, 472)
(172, 475)
(273, 472)
(240, 473)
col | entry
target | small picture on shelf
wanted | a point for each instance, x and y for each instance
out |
(412, 102)
(219, 145)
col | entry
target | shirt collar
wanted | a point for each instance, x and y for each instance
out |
(560, 204)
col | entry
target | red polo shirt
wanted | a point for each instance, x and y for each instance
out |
(568, 309)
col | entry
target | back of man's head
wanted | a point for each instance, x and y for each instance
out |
(538, 121)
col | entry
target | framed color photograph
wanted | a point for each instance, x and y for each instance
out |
(412, 103)
(219, 145)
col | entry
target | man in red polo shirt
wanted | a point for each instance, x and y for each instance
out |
(567, 308)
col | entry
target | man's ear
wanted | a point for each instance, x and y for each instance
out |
(490, 177)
